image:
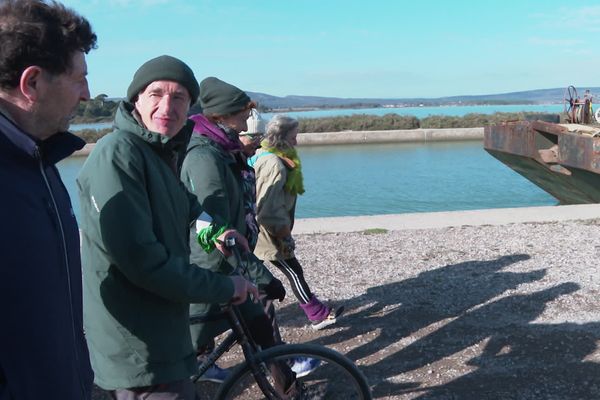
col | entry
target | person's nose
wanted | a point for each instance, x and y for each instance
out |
(85, 92)
(166, 104)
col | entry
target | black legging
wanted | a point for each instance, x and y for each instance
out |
(292, 270)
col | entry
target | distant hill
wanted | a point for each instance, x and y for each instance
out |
(541, 96)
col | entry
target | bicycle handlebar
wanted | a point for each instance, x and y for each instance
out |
(230, 242)
(231, 245)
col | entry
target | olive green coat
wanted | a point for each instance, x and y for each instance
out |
(213, 175)
(138, 279)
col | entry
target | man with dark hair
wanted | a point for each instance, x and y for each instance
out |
(135, 217)
(43, 354)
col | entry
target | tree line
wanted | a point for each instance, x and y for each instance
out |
(96, 110)
(363, 122)
(100, 109)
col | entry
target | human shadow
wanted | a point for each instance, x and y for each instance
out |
(386, 316)
(521, 359)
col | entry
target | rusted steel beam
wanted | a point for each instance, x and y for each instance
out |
(563, 163)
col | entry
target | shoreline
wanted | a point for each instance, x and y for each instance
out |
(359, 137)
(447, 219)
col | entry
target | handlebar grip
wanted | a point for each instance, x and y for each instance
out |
(230, 242)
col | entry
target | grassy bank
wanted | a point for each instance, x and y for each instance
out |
(363, 122)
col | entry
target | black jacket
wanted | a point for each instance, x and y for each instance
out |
(43, 354)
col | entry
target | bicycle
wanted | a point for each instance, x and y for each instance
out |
(336, 376)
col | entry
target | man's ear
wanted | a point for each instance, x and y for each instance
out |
(30, 82)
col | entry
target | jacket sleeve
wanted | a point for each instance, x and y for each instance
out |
(195, 207)
(201, 174)
(119, 209)
(204, 176)
(271, 175)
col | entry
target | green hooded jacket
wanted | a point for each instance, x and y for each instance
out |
(214, 176)
(138, 279)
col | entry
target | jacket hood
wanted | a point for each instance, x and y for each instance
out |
(198, 140)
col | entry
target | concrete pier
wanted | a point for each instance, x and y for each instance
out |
(393, 136)
(358, 137)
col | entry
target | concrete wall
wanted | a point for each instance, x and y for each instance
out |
(396, 136)
(355, 137)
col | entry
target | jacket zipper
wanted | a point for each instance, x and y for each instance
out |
(64, 248)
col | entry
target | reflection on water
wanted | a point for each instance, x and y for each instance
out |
(93, 125)
(371, 179)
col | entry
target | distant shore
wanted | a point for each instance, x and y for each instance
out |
(358, 137)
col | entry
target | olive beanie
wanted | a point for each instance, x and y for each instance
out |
(221, 98)
(163, 68)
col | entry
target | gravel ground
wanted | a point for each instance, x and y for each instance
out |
(488, 312)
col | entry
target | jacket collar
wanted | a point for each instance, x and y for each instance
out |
(51, 150)
(204, 141)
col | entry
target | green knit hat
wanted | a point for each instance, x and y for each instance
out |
(221, 98)
(164, 68)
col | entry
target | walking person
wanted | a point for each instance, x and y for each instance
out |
(250, 139)
(43, 354)
(278, 183)
(135, 222)
(216, 171)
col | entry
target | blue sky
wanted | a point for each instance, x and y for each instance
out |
(348, 48)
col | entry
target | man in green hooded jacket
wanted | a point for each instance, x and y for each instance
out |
(135, 219)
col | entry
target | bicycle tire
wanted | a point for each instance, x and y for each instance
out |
(336, 377)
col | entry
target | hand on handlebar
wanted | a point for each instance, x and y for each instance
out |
(241, 241)
(241, 289)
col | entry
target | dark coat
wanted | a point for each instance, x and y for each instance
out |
(214, 176)
(43, 354)
(135, 217)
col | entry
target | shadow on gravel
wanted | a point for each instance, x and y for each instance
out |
(446, 334)
(445, 323)
(519, 360)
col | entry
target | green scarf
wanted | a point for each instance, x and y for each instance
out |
(294, 183)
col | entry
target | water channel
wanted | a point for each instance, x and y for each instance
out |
(371, 179)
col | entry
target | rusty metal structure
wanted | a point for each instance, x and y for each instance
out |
(577, 110)
(562, 159)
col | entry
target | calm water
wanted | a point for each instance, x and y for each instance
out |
(419, 112)
(396, 178)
